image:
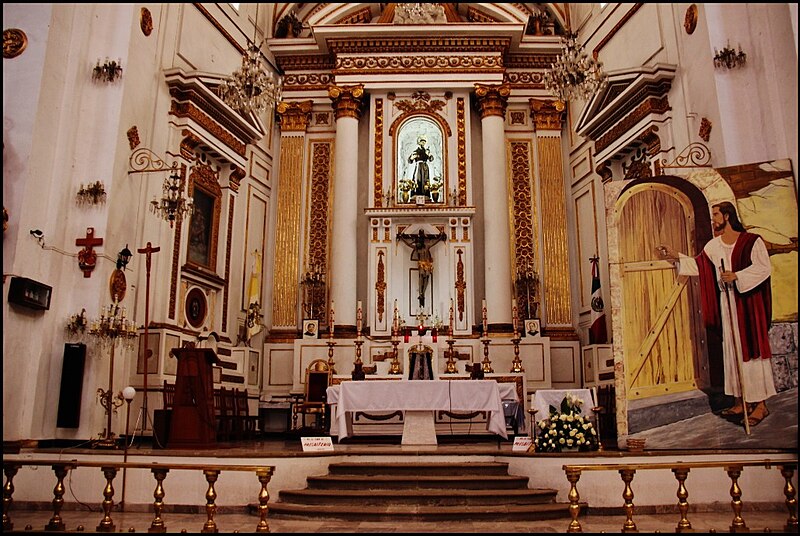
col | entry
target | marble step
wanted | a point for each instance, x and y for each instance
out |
(417, 481)
(419, 497)
(430, 469)
(405, 512)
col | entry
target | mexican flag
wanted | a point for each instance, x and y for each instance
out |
(597, 330)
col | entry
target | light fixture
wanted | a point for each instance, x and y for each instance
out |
(123, 258)
(38, 235)
(92, 194)
(173, 204)
(250, 89)
(574, 75)
(729, 58)
(110, 327)
(109, 71)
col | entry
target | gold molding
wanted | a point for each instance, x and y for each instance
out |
(348, 101)
(406, 45)
(547, 114)
(318, 210)
(523, 202)
(461, 285)
(461, 151)
(378, 133)
(380, 287)
(418, 64)
(492, 100)
(294, 116)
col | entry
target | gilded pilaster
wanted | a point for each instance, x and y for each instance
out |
(523, 217)
(378, 134)
(548, 116)
(348, 101)
(492, 100)
(462, 151)
(294, 117)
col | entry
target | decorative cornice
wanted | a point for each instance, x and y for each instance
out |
(307, 81)
(373, 45)
(294, 116)
(190, 111)
(297, 63)
(348, 101)
(418, 64)
(492, 100)
(530, 61)
(547, 114)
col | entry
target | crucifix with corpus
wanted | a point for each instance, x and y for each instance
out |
(421, 244)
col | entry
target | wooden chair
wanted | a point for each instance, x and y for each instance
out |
(168, 395)
(245, 425)
(314, 400)
(224, 411)
(163, 417)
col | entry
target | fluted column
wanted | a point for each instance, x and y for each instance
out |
(293, 121)
(343, 278)
(548, 117)
(491, 101)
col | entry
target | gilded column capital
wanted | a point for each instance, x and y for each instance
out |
(294, 115)
(547, 114)
(347, 100)
(492, 100)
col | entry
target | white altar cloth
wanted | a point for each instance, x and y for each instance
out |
(416, 395)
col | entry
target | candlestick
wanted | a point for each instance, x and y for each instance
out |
(514, 315)
(330, 321)
(484, 319)
(452, 318)
(359, 317)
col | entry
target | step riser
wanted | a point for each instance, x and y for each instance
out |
(405, 471)
(431, 518)
(416, 501)
(494, 485)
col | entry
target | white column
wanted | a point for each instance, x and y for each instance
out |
(497, 250)
(343, 275)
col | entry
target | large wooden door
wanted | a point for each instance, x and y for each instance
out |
(663, 341)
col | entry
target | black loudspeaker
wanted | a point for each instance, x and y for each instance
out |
(69, 401)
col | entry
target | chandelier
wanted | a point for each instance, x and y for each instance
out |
(574, 75)
(250, 89)
(173, 204)
(729, 58)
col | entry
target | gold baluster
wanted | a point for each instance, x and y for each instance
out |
(56, 523)
(158, 506)
(211, 509)
(791, 498)
(106, 524)
(264, 476)
(738, 524)
(627, 495)
(681, 473)
(573, 475)
(10, 470)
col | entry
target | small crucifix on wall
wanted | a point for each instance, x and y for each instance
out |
(87, 258)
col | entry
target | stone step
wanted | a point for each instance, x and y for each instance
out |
(420, 497)
(425, 468)
(404, 512)
(474, 482)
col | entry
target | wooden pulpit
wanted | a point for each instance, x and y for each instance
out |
(192, 424)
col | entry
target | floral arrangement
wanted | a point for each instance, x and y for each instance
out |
(566, 428)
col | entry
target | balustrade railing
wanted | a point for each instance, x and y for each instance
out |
(681, 471)
(61, 469)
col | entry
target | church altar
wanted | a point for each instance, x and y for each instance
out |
(418, 399)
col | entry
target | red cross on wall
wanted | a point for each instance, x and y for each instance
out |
(87, 258)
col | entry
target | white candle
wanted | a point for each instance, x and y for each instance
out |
(452, 316)
(358, 317)
(484, 319)
(330, 320)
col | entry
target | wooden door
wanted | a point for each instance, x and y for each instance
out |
(663, 341)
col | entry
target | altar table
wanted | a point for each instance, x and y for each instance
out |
(418, 399)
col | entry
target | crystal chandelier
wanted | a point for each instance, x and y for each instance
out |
(173, 204)
(574, 75)
(250, 89)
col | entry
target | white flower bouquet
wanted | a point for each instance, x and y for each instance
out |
(566, 429)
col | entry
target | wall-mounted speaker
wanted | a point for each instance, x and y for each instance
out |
(69, 400)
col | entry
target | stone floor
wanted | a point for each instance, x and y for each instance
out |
(190, 523)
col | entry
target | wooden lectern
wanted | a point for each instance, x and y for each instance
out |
(192, 424)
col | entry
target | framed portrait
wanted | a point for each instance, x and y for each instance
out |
(310, 329)
(532, 328)
(204, 222)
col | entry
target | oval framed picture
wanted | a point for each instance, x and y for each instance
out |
(196, 307)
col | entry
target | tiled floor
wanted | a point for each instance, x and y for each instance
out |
(191, 523)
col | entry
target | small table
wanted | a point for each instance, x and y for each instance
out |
(418, 399)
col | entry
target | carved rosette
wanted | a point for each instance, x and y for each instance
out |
(547, 114)
(294, 116)
(347, 100)
(146, 22)
(14, 42)
(492, 100)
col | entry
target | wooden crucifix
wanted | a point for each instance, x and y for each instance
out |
(148, 252)
(421, 245)
(87, 258)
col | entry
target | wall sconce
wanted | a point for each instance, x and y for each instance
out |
(109, 71)
(92, 194)
(729, 58)
(38, 235)
(173, 205)
(123, 258)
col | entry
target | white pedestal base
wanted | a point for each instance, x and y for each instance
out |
(418, 428)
